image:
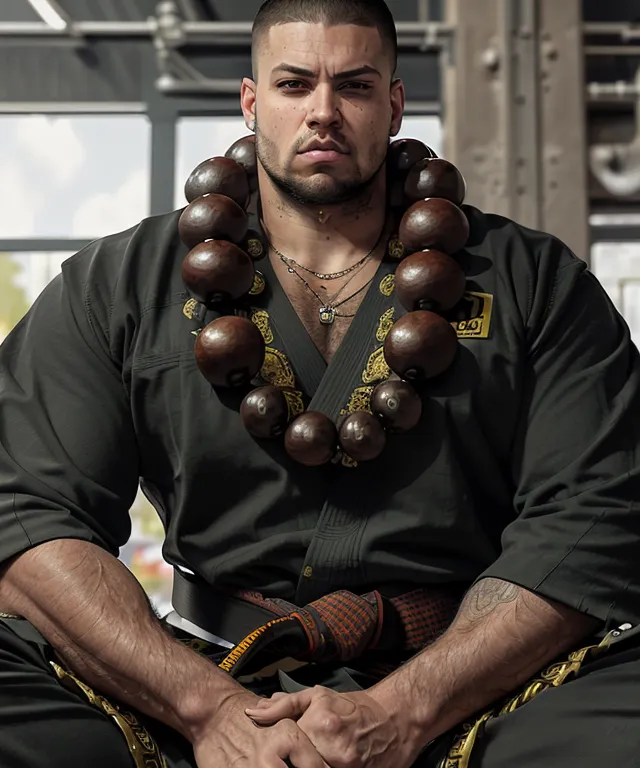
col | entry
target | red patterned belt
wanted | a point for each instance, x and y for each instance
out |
(340, 627)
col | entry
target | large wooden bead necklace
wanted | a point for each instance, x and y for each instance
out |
(425, 196)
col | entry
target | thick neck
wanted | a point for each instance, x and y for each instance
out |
(323, 238)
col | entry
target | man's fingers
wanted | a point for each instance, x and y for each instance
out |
(289, 706)
(301, 753)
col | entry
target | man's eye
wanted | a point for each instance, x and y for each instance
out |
(291, 85)
(355, 86)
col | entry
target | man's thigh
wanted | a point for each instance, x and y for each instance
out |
(44, 725)
(590, 722)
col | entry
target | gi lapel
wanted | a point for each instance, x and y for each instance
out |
(359, 363)
(308, 363)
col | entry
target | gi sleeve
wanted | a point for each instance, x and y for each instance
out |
(576, 469)
(68, 456)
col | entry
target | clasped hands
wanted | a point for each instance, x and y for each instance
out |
(348, 730)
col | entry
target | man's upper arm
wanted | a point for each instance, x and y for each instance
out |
(68, 455)
(575, 460)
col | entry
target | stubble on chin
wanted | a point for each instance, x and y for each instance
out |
(355, 193)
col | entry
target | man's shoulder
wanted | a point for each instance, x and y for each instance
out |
(123, 274)
(513, 247)
(150, 239)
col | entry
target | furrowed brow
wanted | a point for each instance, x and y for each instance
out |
(302, 72)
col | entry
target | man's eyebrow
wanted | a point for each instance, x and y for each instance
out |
(301, 72)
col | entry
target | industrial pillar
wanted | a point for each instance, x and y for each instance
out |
(514, 112)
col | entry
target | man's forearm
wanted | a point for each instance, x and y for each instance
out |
(98, 619)
(501, 636)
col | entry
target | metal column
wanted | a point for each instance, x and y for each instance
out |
(163, 149)
(564, 124)
(514, 112)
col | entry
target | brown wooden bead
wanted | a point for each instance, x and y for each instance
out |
(230, 351)
(243, 151)
(434, 177)
(397, 404)
(420, 345)
(264, 412)
(212, 217)
(434, 223)
(430, 280)
(311, 439)
(403, 154)
(219, 175)
(362, 436)
(217, 270)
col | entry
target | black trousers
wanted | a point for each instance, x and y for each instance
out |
(592, 721)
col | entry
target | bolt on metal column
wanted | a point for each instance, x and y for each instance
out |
(515, 120)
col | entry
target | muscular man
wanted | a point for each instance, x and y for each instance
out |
(513, 498)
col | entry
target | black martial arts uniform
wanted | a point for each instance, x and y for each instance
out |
(523, 467)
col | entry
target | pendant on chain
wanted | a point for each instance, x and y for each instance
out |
(327, 315)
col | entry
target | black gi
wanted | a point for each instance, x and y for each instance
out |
(524, 465)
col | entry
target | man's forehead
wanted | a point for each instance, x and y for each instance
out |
(339, 47)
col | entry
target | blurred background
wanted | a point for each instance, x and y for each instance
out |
(107, 105)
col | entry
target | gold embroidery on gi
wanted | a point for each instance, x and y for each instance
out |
(255, 249)
(260, 319)
(360, 400)
(377, 368)
(386, 321)
(276, 369)
(189, 308)
(142, 746)
(258, 286)
(474, 316)
(551, 677)
(387, 285)
(396, 248)
(295, 403)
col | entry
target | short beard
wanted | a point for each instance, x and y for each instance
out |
(302, 192)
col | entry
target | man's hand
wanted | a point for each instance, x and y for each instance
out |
(234, 740)
(349, 730)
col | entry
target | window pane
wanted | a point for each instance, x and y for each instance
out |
(199, 138)
(426, 128)
(617, 267)
(72, 176)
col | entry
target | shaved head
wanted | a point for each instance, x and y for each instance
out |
(330, 13)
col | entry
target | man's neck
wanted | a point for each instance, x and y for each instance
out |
(323, 238)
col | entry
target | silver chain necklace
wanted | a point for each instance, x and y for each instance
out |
(327, 313)
(290, 263)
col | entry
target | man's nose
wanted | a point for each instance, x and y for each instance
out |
(322, 107)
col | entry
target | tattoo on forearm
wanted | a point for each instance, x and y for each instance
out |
(486, 595)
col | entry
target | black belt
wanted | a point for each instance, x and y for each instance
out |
(225, 616)
(337, 627)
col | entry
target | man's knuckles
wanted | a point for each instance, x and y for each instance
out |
(328, 722)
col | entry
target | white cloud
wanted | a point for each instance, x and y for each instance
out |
(52, 143)
(106, 213)
(19, 200)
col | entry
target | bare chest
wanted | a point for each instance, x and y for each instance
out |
(327, 337)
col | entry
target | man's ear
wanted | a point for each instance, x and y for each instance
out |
(398, 99)
(248, 102)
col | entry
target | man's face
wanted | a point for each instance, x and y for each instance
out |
(324, 108)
